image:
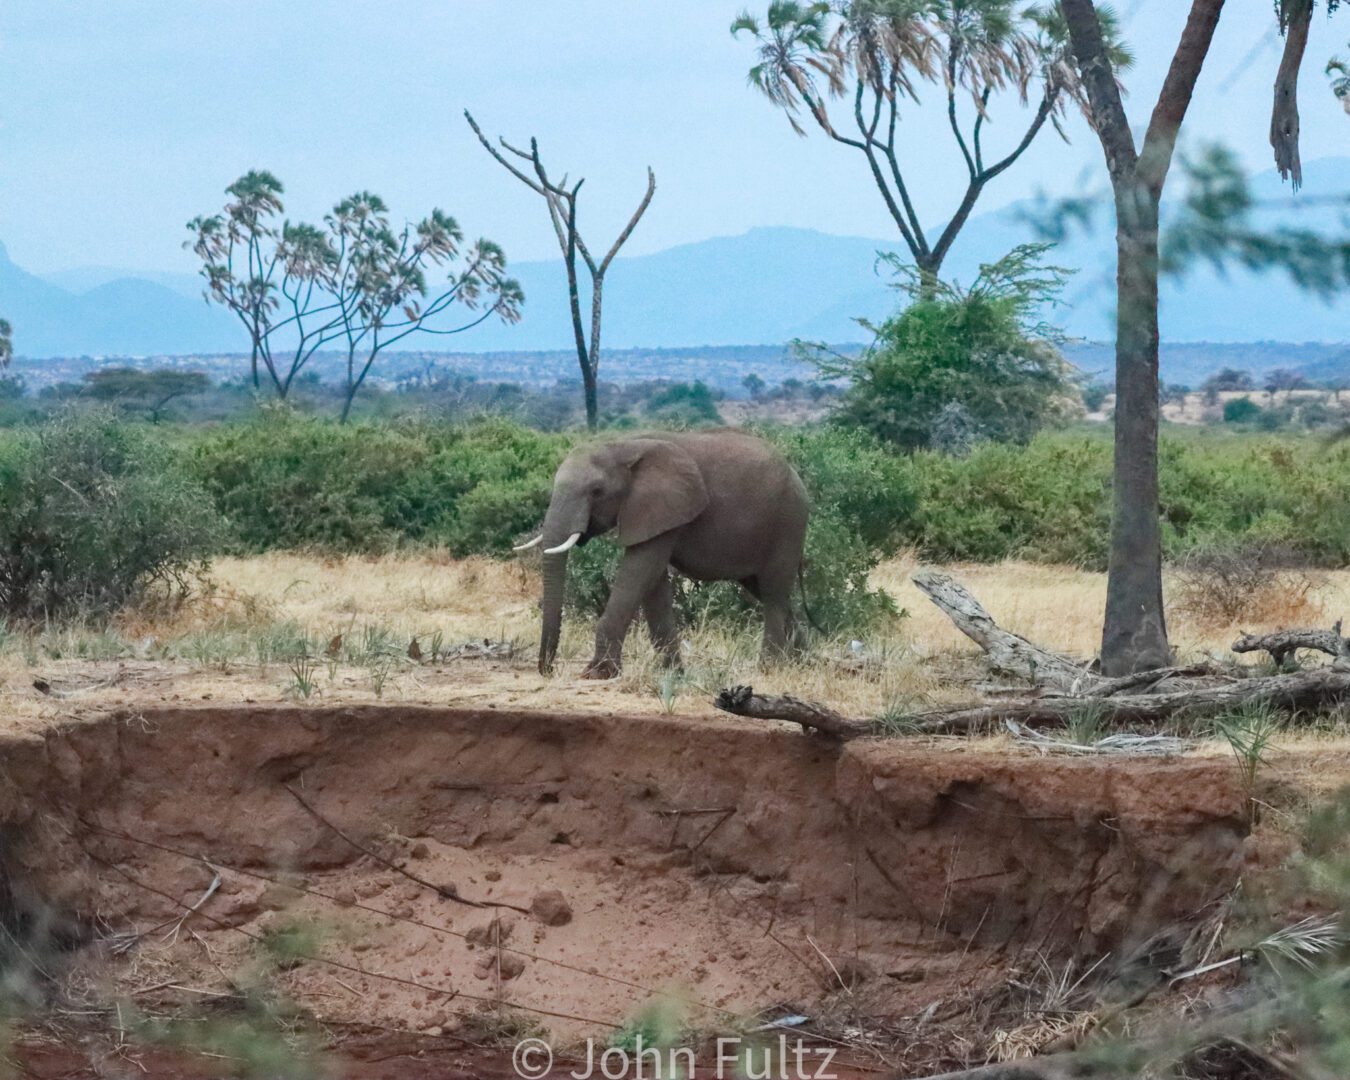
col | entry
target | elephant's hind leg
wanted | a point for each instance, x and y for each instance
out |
(775, 593)
(659, 608)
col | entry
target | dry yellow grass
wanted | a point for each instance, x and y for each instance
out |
(235, 641)
(1061, 608)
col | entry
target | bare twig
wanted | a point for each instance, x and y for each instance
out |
(447, 892)
(172, 934)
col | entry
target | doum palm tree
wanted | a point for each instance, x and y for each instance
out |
(868, 56)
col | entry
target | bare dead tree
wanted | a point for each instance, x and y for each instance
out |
(562, 211)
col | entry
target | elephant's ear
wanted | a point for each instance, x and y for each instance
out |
(667, 491)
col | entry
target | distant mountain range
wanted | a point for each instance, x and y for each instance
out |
(763, 287)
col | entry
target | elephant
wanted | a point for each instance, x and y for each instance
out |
(714, 505)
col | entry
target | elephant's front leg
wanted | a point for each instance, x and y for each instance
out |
(640, 569)
(659, 608)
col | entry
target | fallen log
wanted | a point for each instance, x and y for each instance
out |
(1060, 688)
(1284, 643)
(1151, 678)
(1008, 652)
(1297, 690)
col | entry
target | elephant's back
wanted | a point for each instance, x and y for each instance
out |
(757, 505)
(737, 462)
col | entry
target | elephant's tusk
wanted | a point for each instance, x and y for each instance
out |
(529, 543)
(566, 545)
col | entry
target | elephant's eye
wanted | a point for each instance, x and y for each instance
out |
(597, 489)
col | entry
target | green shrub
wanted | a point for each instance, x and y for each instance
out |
(286, 481)
(958, 365)
(590, 569)
(1050, 500)
(684, 405)
(852, 475)
(1240, 411)
(95, 513)
(1094, 395)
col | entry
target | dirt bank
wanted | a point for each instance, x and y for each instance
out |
(743, 868)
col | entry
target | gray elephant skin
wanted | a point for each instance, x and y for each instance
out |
(719, 505)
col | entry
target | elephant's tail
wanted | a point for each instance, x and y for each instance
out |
(801, 584)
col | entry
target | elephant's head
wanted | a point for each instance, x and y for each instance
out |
(642, 486)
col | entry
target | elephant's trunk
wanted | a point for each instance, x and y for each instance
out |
(555, 578)
(567, 518)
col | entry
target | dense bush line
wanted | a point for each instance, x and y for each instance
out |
(291, 482)
(286, 481)
(1050, 500)
(140, 503)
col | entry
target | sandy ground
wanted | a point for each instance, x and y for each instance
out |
(357, 618)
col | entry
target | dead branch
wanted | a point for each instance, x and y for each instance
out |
(743, 701)
(1008, 652)
(1284, 643)
(447, 892)
(1060, 687)
(1149, 679)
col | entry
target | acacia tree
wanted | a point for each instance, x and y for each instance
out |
(151, 390)
(872, 54)
(562, 211)
(1134, 634)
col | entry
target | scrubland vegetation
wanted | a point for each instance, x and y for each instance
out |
(284, 481)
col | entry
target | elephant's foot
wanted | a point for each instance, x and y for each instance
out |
(601, 668)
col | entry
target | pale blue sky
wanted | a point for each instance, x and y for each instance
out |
(121, 119)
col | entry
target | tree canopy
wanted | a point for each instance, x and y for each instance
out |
(957, 365)
(849, 66)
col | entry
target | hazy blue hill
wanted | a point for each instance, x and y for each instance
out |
(131, 315)
(128, 316)
(765, 286)
(82, 279)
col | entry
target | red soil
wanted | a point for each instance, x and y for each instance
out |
(737, 868)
